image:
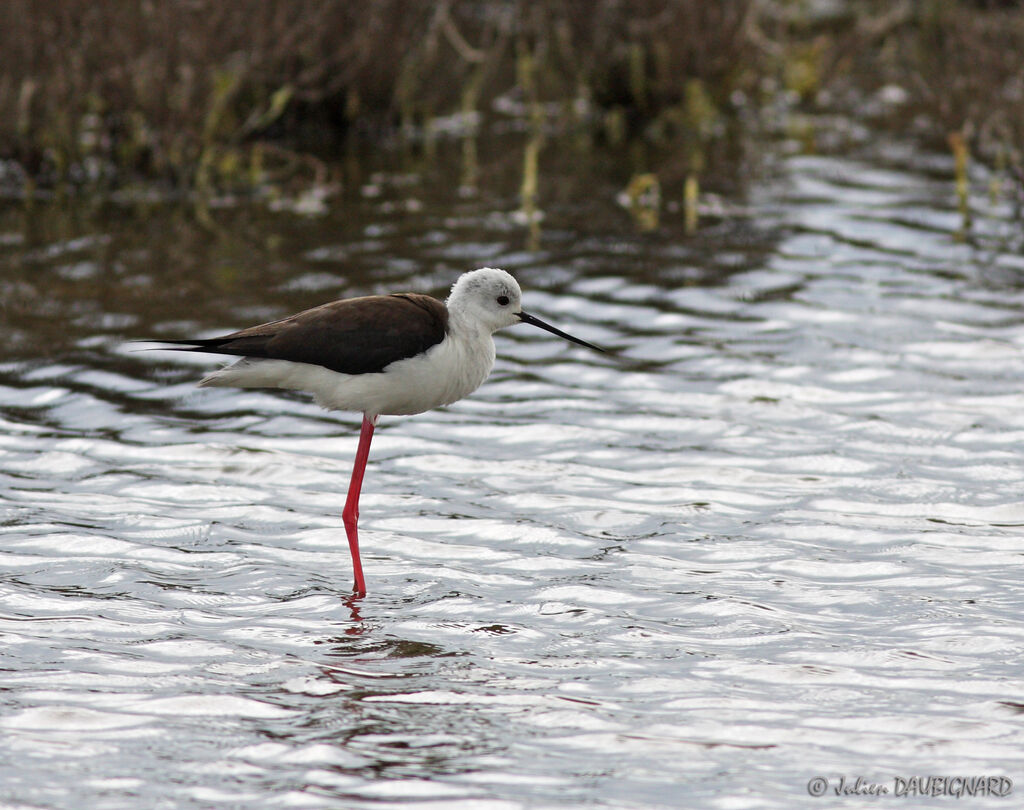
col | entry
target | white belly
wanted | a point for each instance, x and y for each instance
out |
(441, 375)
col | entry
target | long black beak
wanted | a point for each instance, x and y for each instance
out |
(554, 331)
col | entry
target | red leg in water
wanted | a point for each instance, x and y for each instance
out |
(350, 515)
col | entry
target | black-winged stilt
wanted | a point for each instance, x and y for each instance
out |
(381, 355)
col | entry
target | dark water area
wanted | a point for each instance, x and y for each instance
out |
(776, 535)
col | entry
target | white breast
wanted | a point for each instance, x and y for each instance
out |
(446, 372)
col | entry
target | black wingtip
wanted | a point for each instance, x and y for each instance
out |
(179, 345)
(195, 343)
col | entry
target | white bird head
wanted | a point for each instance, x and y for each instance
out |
(492, 299)
(489, 296)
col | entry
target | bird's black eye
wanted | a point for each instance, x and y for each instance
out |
(502, 300)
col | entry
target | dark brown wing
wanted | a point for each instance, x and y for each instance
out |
(353, 336)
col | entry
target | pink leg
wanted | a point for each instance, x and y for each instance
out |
(350, 515)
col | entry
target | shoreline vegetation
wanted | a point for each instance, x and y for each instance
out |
(198, 98)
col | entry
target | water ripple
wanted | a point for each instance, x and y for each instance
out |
(775, 534)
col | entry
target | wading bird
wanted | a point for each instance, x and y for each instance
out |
(396, 354)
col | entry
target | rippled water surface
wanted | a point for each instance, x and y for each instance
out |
(776, 536)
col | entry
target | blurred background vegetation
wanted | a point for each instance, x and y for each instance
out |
(200, 97)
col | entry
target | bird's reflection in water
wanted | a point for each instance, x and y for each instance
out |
(358, 627)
